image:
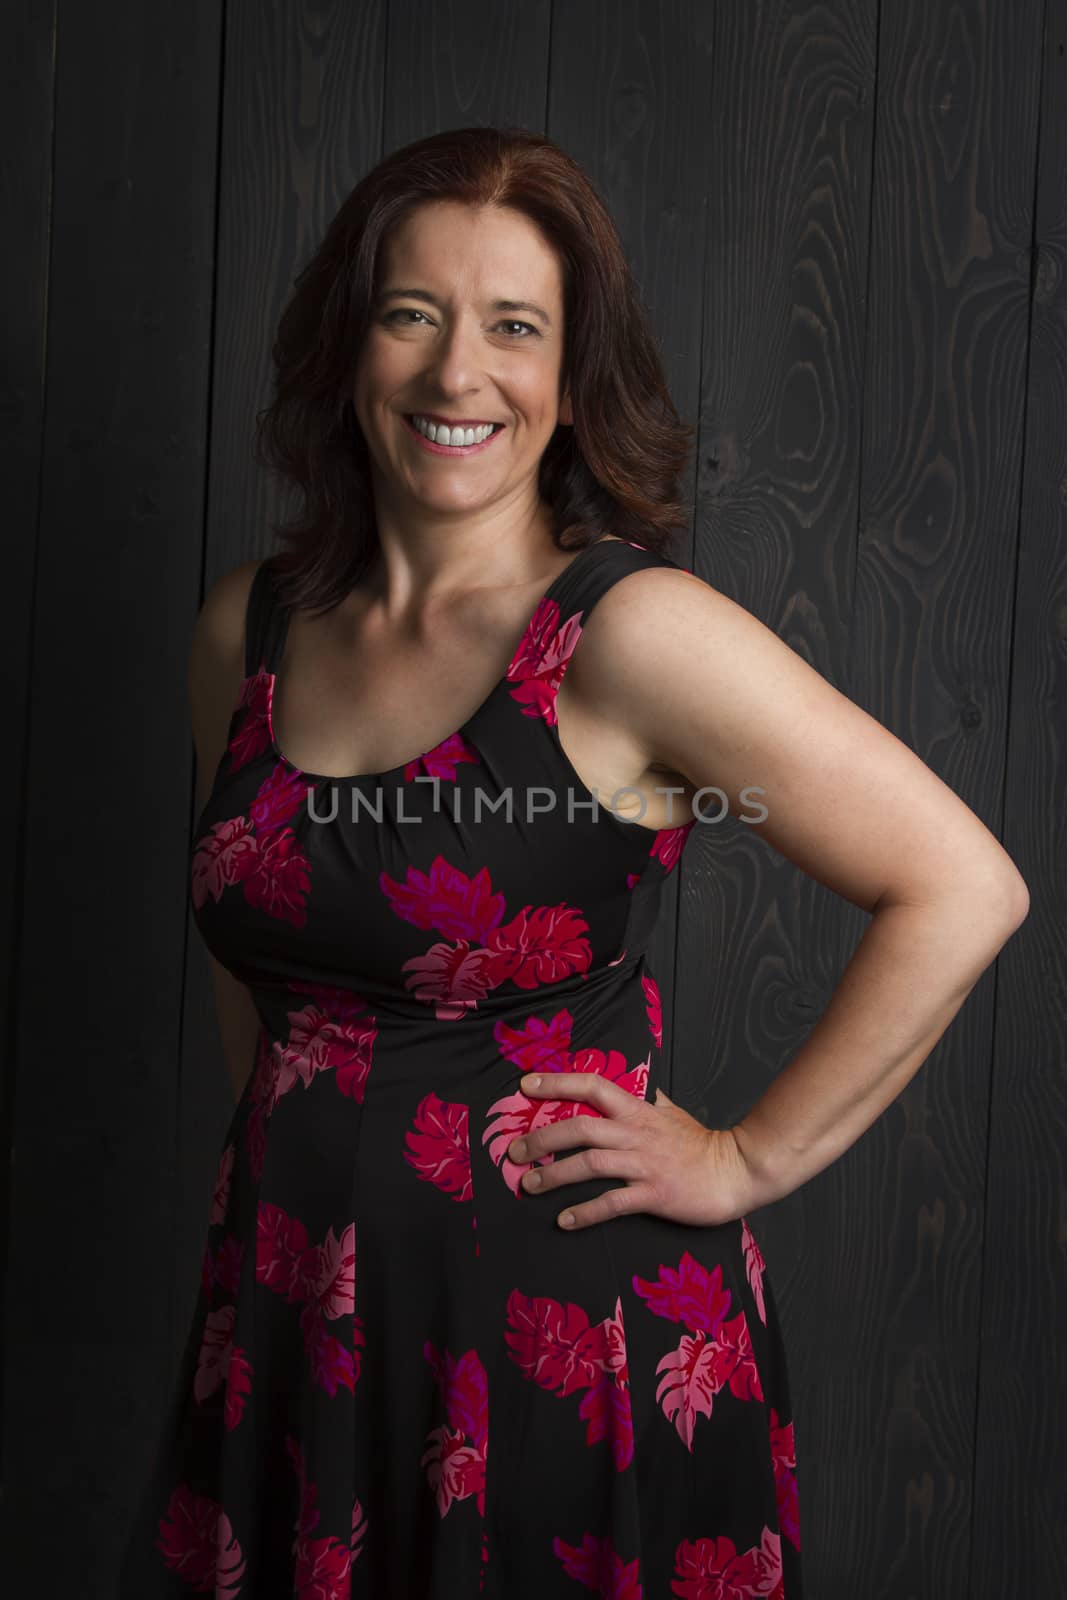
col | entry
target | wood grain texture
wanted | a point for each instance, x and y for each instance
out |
(1019, 1528)
(760, 946)
(861, 430)
(464, 64)
(107, 783)
(930, 656)
(27, 71)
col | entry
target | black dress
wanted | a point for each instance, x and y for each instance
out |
(404, 1380)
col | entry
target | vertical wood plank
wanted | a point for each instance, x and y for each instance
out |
(930, 656)
(828, 409)
(760, 945)
(27, 69)
(1019, 1526)
(464, 65)
(108, 776)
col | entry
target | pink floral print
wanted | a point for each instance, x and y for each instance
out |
(320, 1279)
(597, 1566)
(457, 1450)
(557, 1347)
(322, 1567)
(198, 1543)
(537, 946)
(401, 1374)
(546, 1047)
(716, 1352)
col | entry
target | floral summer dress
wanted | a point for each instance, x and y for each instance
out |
(404, 1380)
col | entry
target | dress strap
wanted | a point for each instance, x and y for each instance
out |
(265, 623)
(576, 591)
(598, 569)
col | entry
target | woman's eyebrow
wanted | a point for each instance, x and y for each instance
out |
(497, 305)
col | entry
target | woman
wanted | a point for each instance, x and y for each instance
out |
(480, 1310)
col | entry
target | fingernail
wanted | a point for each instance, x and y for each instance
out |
(518, 1150)
(567, 1220)
(531, 1081)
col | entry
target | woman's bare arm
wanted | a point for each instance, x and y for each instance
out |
(711, 693)
(216, 670)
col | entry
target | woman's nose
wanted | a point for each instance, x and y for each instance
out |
(456, 356)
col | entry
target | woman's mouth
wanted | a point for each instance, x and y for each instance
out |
(451, 449)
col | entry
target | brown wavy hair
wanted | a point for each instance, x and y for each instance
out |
(616, 470)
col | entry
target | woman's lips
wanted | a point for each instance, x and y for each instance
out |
(450, 450)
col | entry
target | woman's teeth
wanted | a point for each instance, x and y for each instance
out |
(440, 433)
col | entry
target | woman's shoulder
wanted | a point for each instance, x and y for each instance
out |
(645, 621)
(220, 622)
(216, 666)
(646, 587)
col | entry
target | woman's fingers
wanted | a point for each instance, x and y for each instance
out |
(598, 1163)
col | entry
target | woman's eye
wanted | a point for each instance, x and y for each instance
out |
(409, 311)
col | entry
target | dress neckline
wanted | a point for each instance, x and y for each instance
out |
(397, 771)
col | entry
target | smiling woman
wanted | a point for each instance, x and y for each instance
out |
(383, 322)
(408, 1375)
(481, 1311)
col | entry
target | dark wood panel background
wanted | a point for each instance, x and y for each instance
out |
(849, 222)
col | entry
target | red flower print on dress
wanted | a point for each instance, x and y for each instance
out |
(197, 1541)
(595, 1564)
(238, 1387)
(456, 1457)
(253, 732)
(546, 1047)
(318, 1278)
(560, 1350)
(538, 946)
(221, 1196)
(653, 1009)
(755, 1266)
(541, 944)
(447, 900)
(321, 1041)
(438, 1148)
(278, 799)
(668, 844)
(451, 978)
(332, 1363)
(784, 1458)
(222, 1362)
(718, 1353)
(540, 661)
(335, 1033)
(322, 1568)
(224, 857)
(223, 1269)
(713, 1567)
(442, 760)
(271, 869)
(280, 880)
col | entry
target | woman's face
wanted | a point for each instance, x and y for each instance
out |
(440, 347)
